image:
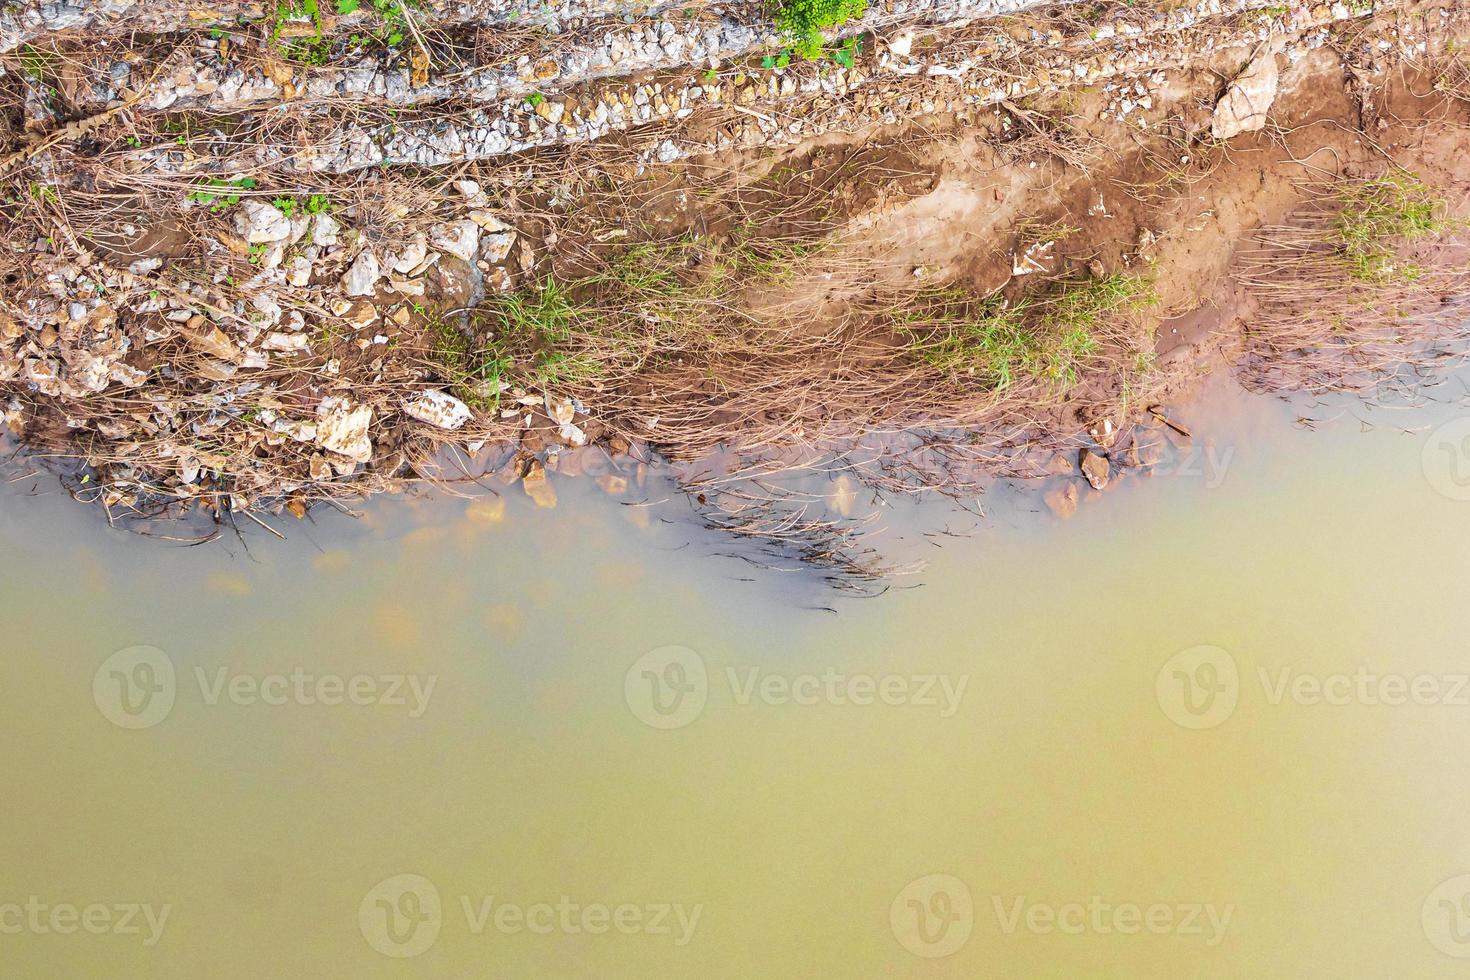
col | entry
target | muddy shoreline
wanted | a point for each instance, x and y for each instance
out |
(973, 287)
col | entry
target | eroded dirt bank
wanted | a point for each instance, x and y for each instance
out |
(249, 264)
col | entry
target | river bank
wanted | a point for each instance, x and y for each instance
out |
(985, 246)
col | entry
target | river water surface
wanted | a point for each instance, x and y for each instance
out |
(1214, 725)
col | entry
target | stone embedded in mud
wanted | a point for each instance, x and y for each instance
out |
(560, 409)
(288, 342)
(360, 314)
(902, 43)
(1246, 101)
(486, 511)
(126, 375)
(617, 486)
(488, 221)
(438, 408)
(324, 231)
(298, 273)
(362, 278)
(260, 223)
(209, 339)
(342, 428)
(459, 238)
(496, 247)
(572, 435)
(407, 258)
(89, 372)
(1062, 501)
(537, 487)
(1103, 433)
(1038, 257)
(45, 374)
(1095, 468)
(498, 280)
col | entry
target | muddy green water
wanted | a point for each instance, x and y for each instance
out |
(1214, 725)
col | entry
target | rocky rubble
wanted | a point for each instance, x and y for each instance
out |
(745, 108)
(270, 354)
(26, 20)
(205, 357)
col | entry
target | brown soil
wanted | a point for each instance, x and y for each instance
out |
(807, 361)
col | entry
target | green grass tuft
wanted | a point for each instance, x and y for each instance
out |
(1382, 215)
(998, 343)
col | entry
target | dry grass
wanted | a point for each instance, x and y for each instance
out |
(1354, 285)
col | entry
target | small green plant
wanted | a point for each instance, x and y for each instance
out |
(394, 15)
(998, 342)
(222, 194)
(319, 204)
(313, 49)
(285, 205)
(846, 54)
(804, 20)
(538, 338)
(535, 99)
(1379, 216)
(44, 193)
(473, 375)
(36, 64)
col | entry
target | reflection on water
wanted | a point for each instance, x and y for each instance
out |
(1211, 726)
